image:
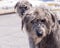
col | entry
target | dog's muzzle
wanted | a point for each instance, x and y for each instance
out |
(23, 9)
(38, 30)
(39, 33)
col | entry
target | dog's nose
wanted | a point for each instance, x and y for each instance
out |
(39, 33)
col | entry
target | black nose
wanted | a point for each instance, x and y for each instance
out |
(39, 33)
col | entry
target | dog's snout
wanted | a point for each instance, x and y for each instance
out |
(23, 9)
(39, 33)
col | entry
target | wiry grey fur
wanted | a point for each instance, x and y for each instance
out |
(42, 27)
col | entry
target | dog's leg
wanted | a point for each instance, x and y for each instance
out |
(31, 42)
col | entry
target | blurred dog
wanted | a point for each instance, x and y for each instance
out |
(41, 26)
(22, 7)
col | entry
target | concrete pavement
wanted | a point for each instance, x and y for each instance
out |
(11, 35)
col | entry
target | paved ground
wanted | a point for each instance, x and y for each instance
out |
(11, 35)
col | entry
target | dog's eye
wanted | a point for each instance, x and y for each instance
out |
(20, 7)
(38, 20)
(43, 20)
(32, 22)
(25, 7)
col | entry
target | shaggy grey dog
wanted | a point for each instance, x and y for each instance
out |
(22, 7)
(41, 26)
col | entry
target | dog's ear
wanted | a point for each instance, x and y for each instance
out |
(55, 23)
(16, 5)
(22, 7)
(53, 18)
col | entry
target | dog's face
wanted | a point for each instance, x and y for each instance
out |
(22, 7)
(39, 23)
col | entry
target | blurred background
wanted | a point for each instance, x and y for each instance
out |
(11, 35)
(7, 6)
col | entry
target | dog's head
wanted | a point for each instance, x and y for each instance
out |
(22, 7)
(39, 23)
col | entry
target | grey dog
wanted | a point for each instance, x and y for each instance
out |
(41, 26)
